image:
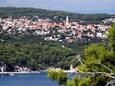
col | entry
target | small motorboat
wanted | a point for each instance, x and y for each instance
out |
(11, 74)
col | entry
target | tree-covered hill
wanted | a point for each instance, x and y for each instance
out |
(42, 13)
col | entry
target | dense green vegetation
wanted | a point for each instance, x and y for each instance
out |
(78, 82)
(58, 75)
(30, 12)
(33, 51)
(36, 55)
(97, 68)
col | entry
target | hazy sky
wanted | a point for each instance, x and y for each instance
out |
(79, 6)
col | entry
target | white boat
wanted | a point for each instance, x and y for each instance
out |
(11, 74)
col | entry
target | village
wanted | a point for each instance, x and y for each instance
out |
(65, 31)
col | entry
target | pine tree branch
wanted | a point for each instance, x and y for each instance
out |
(104, 66)
(79, 59)
(109, 83)
(112, 75)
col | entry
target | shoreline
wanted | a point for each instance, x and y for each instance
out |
(31, 72)
(15, 73)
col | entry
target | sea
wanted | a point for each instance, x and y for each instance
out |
(38, 79)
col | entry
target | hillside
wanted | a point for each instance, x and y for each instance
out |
(42, 13)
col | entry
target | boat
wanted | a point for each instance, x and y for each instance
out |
(11, 74)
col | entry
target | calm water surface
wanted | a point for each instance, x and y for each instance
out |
(27, 80)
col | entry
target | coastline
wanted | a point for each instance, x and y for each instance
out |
(32, 72)
(15, 73)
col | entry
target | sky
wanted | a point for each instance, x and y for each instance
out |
(77, 6)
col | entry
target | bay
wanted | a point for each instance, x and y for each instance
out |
(40, 79)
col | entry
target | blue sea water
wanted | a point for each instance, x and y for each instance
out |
(27, 80)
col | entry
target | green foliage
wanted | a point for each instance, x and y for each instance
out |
(58, 75)
(111, 38)
(38, 55)
(101, 81)
(93, 57)
(94, 51)
(71, 83)
(84, 82)
(52, 74)
(7, 54)
(76, 80)
(79, 81)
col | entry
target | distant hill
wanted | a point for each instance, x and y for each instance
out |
(42, 13)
